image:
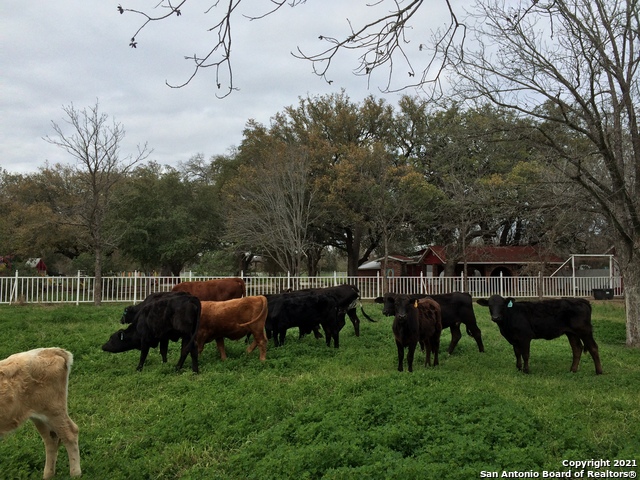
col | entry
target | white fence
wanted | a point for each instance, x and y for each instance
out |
(135, 287)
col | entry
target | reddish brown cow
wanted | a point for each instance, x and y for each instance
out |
(430, 321)
(34, 385)
(416, 321)
(234, 319)
(214, 290)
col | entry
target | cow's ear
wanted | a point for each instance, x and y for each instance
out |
(379, 300)
(483, 301)
(510, 302)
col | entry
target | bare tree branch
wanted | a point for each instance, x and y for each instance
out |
(383, 43)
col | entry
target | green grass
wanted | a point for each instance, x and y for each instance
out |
(313, 412)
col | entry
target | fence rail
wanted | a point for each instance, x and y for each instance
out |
(135, 287)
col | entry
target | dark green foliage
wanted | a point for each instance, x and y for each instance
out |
(314, 412)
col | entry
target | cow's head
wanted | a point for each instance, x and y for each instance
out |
(388, 304)
(497, 306)
(404, 305)
(123, 341)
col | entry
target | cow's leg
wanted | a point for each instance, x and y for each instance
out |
(260, 341)
(455, 336)
(591, 345)
(188, 347)
(474, 331)
(400, 355)
(355, 320)
(144, 351)
(262, 347)
(525, 355)
(576, 348)
(164, 349)
(410, 353)
(68, 433)
(194, 356)
(253, 345)
(518, 354)
(427, 356)
(60, 429)
(316, 332)
(51, 444)
(220, 344)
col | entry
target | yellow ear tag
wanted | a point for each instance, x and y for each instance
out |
(416, 304)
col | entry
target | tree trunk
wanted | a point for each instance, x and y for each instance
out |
(629, 261)
(353, 239)
(97, 285)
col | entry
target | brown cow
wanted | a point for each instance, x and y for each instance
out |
(430, 320)
(416, 321)
(34, 385)
(233, 319)
(214, 290)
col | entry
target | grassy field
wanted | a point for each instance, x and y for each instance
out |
(313, 412)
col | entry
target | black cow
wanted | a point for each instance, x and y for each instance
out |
(170, 317)
(416, 321)
(130, 312)
(305, 311)
(456, 308)
(520, 322)
(346, 297)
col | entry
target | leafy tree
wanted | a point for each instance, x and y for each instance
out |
(32, 212)
(166, 220)
(86, 187)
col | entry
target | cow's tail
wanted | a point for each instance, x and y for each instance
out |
(262, 313)
(365, 314)
(584, 347)
(196, 325)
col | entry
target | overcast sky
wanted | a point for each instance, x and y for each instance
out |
(55, 54)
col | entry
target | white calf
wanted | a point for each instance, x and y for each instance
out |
(34, 385)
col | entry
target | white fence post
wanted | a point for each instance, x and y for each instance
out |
(78, 290)
(135, 286)
(14, 289)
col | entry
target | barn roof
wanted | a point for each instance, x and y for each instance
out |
(36, 263)
(376, 264)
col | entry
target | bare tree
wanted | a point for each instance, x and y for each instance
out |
(94, 143)
(573, 67)
(272, 206)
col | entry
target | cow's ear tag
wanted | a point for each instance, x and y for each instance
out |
(121, 336)
(416, 304)
(510, 304)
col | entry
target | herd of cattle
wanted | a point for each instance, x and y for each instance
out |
(34, 384)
